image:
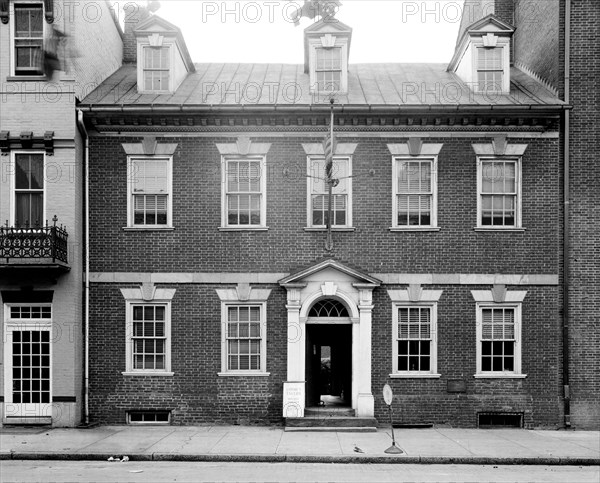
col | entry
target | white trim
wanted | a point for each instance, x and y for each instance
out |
(309, 183)
(414, 375)
(243, 374)
(131, 194)
(11, 34)
(516, 373)
(487, 149)
(518, 198)
(341, 149)
(12, 176)
(225, 304)
(263, 191)
(129, 370)
(275, 277)
(433, 159)
(433, 333)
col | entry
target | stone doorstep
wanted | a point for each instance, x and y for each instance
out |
(330, 422)
(330, 429)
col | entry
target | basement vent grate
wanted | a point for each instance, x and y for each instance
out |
(149, 417)
(499, 420)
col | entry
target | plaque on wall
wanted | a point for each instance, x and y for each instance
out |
(457, 385)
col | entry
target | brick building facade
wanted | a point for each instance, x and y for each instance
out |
(216, 291)
(51, 54)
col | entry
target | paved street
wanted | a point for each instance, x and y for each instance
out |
(29, 471)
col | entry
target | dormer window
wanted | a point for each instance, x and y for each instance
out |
(156, 68)
(482, 56)
(328, 69)
(326, 47)
(490, 69)
(28, 39)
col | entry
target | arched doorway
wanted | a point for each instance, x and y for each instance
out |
(328, 354)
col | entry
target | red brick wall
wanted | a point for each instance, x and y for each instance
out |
(427, 400)
(196, 244)
(584, 276)
(195, 394)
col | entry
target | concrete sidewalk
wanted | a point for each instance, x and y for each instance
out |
(249, 443)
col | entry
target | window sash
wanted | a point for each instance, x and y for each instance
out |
(28, 38)
(498, 340)
(150, 181)
(328, 68)
(244, 338)
(414, 187)
(156, 72)
(490, 68)
(148, 337)
(498, 193)
(244, 195)
(414, 340)
(319, 193)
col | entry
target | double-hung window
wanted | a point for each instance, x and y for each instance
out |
(148, 338)
(28, 38)
(328, 69)
(415, 340)
(156, 71)
(318, 193)
(244, 193)
(29, 189)
(498, 339)
(499, 193)
(490, 69)
(415, 193)
(150, 192)
(244, 338)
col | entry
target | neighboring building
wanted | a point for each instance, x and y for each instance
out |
(216, 294)
(52, 53)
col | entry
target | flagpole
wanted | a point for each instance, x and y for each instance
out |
(329, 242)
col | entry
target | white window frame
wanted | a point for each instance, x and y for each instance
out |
(143, 43)
(315, 44)
(516, 373)
(13, 186)
(263, 193)
(225, 305)
(434, 192)
(12, 17)
(129, 369)
(518, 197)
(169, 69)
(39, 324)
(503, 44)
(131, 194)
(432, 306)
(309, 185)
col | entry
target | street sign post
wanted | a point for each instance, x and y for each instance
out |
(388, 397)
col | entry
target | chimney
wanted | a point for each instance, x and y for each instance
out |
(505, 11)
(134, 15)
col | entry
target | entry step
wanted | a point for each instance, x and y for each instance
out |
(329, 411)
(332, 429)
(335, 422)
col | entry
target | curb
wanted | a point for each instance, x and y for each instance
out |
(274, 458)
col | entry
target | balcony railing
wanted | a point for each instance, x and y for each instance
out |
(46, 243)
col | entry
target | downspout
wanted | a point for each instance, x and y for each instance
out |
(86, 377)
(566, 213)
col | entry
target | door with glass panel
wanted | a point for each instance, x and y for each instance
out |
(27, 362)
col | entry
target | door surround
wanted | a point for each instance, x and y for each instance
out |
(329, 279)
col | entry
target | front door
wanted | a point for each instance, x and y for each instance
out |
(27, 376)
(328, 364)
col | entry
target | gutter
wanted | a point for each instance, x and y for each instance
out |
(566, 226)
(86, 356)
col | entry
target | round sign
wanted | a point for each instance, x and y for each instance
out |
(388, 395)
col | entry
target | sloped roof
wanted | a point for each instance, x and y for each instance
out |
(387, 84)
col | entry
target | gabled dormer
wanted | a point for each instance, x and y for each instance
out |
(163, 60)
(482, 56)
(326, 50)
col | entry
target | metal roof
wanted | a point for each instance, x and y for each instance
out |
(228, 85)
